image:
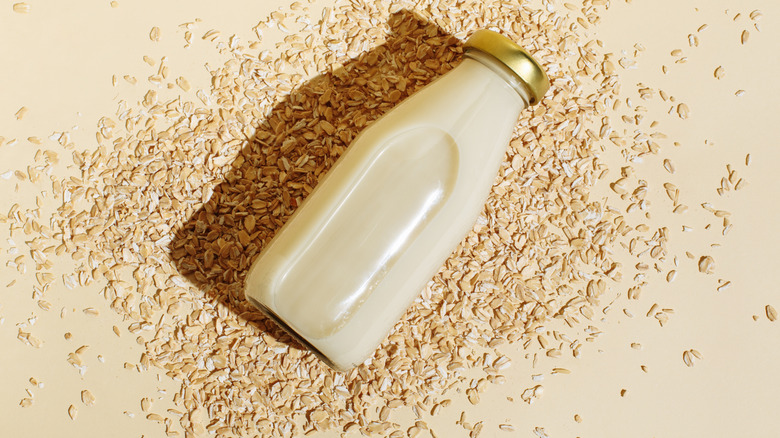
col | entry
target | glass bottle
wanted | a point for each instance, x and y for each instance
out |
(358, 251)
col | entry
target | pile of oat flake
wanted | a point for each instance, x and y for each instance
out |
(180, 196)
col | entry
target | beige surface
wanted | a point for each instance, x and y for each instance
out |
(58, 61)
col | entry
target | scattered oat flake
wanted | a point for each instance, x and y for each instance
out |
(719, 73)
(668, 166)
(72, 412)
(540, 432)
(744, 37)
(154, 34)
(211, 35)
(683, 111)
(653, 309)
(160, 419)
(183, 83)
(473, 396)
(687, 358)
(706, 264)
(21, 8)
(87, 398)
(21, 112)
(771, 313)
(619, 186)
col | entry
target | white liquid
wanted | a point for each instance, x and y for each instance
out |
(354, 256)
(352, 249)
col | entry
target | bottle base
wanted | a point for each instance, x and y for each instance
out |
(295, 335)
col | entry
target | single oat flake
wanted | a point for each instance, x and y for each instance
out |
(154, 34)
(21, 8)
(706, 264)
(771, 313)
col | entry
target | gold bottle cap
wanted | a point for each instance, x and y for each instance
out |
(514, 57)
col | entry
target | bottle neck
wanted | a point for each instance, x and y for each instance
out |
(502, 71)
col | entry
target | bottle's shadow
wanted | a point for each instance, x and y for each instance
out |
(292, 148)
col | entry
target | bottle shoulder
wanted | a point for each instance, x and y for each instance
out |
(457, 100)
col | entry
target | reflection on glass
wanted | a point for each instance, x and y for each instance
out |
(415, 172)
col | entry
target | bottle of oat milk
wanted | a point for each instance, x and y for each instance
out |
(342, 271)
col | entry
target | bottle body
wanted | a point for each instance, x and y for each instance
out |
(359, 250)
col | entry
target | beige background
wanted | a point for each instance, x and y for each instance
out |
(58, 61)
